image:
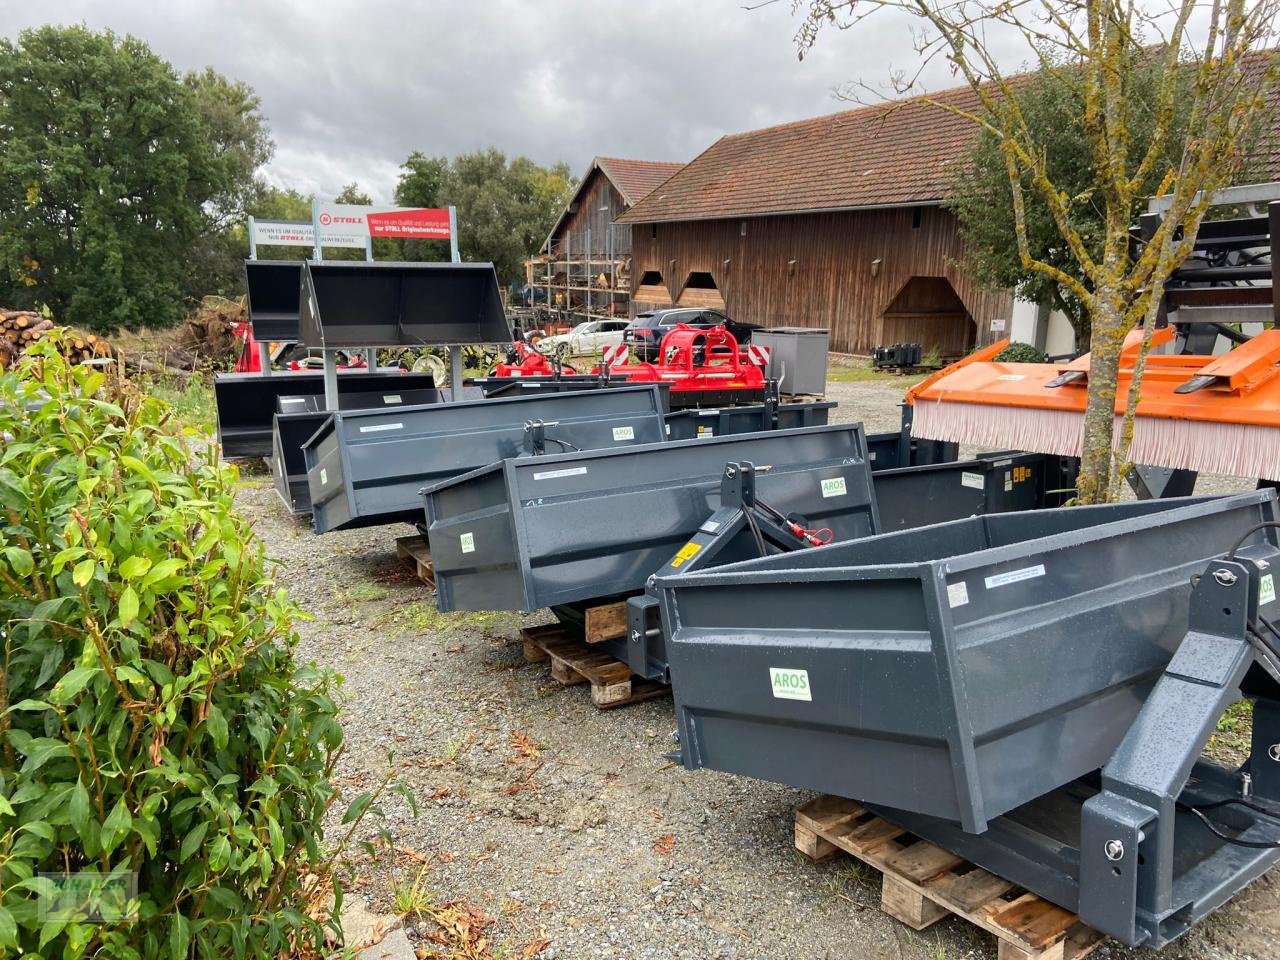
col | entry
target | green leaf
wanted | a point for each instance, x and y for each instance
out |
(116, 826)
(42, 754)
(79, 807)
(72, 682)
(163, 569)
(191, 843)
(357, 808)
(8, 929)
(128, 607)
(20, 560)
(83, 572)
(217, 727)
(219, 854)
(179, 937)
(135, 566)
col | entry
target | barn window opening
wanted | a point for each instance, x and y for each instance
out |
(916, 215)
(700, 290)
(651, 278)
(651, 293)
(653, 231)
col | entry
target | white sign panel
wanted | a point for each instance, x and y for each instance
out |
(997, 325)
(283, 233)
(342, 225)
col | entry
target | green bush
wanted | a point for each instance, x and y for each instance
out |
(1022, 353)
(152, 718)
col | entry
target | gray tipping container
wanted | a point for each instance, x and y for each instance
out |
(956, 671)
(358, 303)
(525, 534)
(700, 424)
(366, 467)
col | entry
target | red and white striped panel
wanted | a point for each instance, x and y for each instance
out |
(616, 356)
(758, 355)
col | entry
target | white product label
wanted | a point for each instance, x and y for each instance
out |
(973, 480)
(1266, 589)
(705, 432)
(515, 373)
(552, 474)
(834, 487)
(392, 398)
(468, 542)
(293, 399)
(624, 433)
(668, 429)
(1008, 483)
(1014, 576)
(382, 427)
(709, 526)
(1012, 376)
(957, 594)
(873, 456)
(324, 476)
(790, 684)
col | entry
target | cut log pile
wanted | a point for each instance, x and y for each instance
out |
(20, 328)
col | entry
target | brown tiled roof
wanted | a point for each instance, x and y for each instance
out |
(635, 179)
(886, 154)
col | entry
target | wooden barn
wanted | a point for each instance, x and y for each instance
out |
(584, 266)
(832, 222)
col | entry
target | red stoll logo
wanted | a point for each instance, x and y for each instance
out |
(325, 219)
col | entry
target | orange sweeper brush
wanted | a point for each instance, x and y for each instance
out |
(1209, 414)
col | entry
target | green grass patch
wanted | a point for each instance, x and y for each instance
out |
(362, 593)
(192, 402)
(423, 617)
(850, 374)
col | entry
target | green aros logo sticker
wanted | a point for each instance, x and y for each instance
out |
(790, 684)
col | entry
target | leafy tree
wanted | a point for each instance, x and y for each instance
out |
(239, 144)
(1213, 62)
(111, 169)
(983, 198)
(352, 193)
(505, 208)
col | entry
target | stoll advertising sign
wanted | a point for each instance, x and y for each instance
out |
(347, 225)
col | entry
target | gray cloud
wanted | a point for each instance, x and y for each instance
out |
(350, 89)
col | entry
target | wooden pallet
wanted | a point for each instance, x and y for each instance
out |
(923, 883)
(416, 551)
(572, 661)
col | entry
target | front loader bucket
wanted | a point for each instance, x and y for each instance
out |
(367, 467)
(357, 304)
(246, 403)
(300, 417)
(274, 288)
(525, 534)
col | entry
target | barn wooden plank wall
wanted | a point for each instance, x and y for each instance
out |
(588, 215)
(816, 270)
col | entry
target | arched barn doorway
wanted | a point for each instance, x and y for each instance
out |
(928, 311)
(700, 290)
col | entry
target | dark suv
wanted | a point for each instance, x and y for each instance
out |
(644, 335)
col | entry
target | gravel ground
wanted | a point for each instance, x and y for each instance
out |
(567, 824)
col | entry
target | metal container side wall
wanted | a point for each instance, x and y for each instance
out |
(598, 523)
(389, 455)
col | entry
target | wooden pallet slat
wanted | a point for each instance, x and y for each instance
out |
(922, 883)
(573, 662)
(606, 622)
(418, 553)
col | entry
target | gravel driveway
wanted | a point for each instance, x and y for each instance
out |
(566, 824)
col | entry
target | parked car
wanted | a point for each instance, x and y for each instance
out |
(589, 337)
(644, 334)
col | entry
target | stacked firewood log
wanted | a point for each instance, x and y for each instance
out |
(20, 328)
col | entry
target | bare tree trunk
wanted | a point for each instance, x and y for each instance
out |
(1110, 323)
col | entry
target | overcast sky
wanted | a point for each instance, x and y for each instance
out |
(349, 89)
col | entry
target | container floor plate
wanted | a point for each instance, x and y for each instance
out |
(922, 883)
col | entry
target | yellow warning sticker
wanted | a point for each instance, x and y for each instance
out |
(687, 552)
